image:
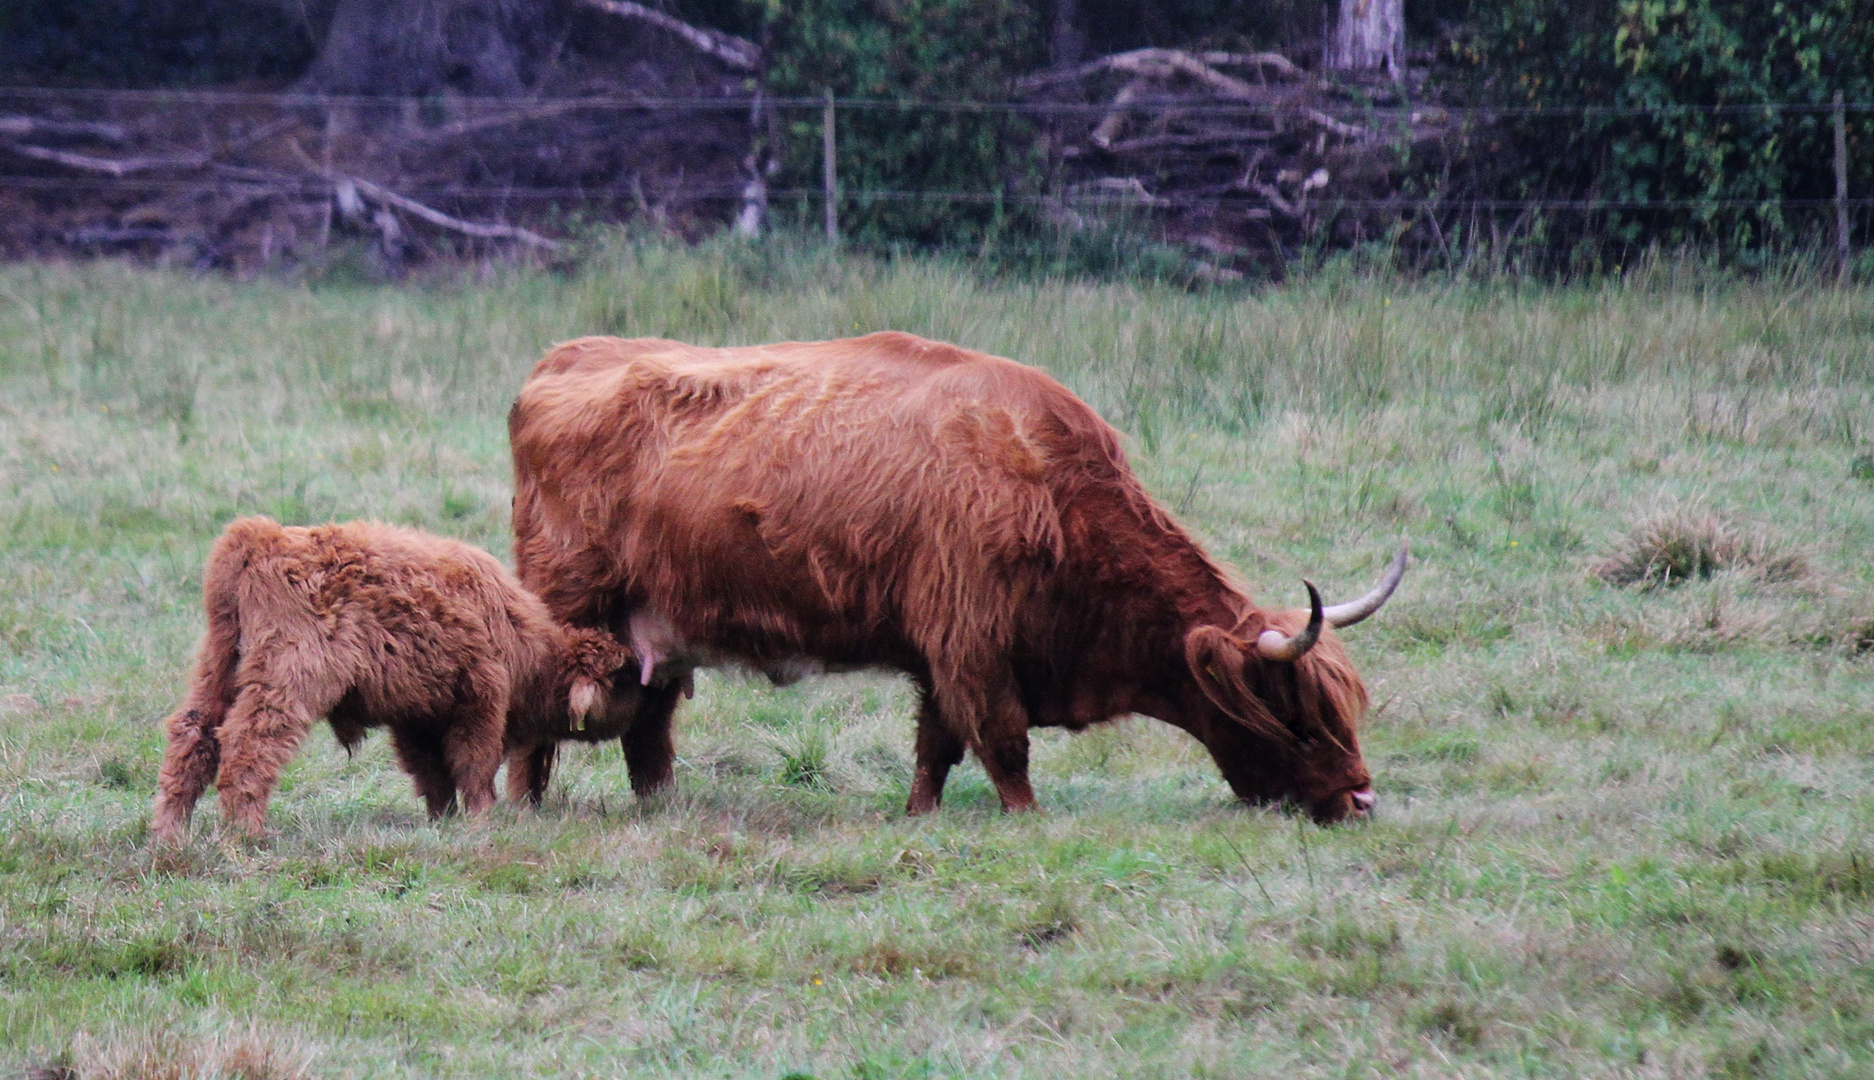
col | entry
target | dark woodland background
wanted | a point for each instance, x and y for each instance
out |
(1479, 135)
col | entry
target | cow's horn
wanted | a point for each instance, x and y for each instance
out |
(1354, 610)
(1275, 645)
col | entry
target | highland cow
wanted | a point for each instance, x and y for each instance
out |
(372, 625)
(895, 502)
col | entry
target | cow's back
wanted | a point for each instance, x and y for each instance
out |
(848, 500)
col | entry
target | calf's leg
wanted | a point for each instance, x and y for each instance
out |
(262, 733)
(194, 753)
(472, 744)
(529, 768)
(420, 753)
(189, 766)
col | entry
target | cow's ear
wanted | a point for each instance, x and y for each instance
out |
(1216, 658)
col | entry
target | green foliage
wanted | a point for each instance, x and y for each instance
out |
(1729, 171)
(897, 53)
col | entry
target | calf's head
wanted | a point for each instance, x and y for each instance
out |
(593, 661)
(1282, 704)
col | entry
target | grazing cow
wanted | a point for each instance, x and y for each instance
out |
(372, 625)
(891, 501)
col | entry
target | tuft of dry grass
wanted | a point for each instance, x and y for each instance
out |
(1688, 543)
(249, 1054)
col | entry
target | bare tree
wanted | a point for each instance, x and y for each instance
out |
(1370, 37)
(401, 47)
(1066, 41)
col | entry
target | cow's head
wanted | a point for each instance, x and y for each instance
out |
(1282, 704)
(594, 659)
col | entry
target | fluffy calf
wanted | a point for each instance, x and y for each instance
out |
(372, 625)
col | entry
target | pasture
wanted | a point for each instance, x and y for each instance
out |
(1622, 740)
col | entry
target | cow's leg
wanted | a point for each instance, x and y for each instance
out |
(986, 705)
(1002, 745)
(420, 754)
(650, 752)
(472, 744)
(938, 750)
(263, 731)
(529, 769)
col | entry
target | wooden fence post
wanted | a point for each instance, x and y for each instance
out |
(1841, 188)
(830, 177)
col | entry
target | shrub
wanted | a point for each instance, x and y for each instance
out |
(910, 51)
(1729, 170)
(1674, 547)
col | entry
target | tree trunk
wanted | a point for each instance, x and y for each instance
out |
(413, 47)
(1370, 37)
(1065, 40)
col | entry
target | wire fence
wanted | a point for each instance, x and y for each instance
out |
(743, 103)
(226, 171)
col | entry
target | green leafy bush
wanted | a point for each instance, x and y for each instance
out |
(906, 51)
(1728, 174)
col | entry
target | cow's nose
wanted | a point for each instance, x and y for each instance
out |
(1364, 802)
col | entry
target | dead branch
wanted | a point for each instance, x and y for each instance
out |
(456, 224)
(386, 198)
(1274, 195)
(1164, 63)
(1102, 135)
(104, 234)
(1209, 138)
(1258, 59)
(28, 126)
(739, 53)
(108, 166)
(1344, 130)
(1129, 189)
(484, 123)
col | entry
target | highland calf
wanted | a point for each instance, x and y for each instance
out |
(372, 625)
(895, 502)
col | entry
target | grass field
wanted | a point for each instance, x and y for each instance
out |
(1624, 828)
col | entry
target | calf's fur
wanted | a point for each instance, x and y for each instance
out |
(372, 625)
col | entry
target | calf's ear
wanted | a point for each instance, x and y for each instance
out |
(586, 701)
(1216, 660)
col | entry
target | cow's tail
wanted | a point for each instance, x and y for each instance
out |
(194, 754)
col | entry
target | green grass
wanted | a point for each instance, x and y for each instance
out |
(1624, 830)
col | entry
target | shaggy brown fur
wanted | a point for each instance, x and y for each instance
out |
(372, 625)
(892, 501)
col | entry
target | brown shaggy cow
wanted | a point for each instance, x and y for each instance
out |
(372, 625)
(891, 501)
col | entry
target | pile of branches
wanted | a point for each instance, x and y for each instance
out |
(1244, 154)
(242, 181)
